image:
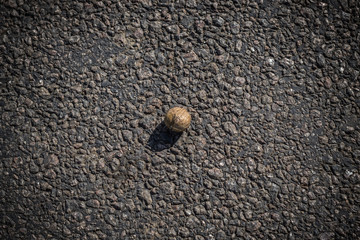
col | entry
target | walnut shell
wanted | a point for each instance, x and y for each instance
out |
(177, 119)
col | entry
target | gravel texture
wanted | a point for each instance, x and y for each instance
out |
(273, 150)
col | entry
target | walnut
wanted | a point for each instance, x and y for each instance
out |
(177, 119)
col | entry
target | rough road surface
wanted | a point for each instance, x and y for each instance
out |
(273, 150)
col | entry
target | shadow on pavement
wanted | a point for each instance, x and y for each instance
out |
(162, 138)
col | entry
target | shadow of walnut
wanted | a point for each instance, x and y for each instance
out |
(162, 138)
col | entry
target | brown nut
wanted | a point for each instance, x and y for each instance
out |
(177, 119)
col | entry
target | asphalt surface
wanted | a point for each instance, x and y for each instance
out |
(273, 149)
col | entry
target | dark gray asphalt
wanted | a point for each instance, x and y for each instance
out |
(273, 149)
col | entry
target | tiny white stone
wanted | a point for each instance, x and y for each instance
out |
(349, 173)
(270, 61)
